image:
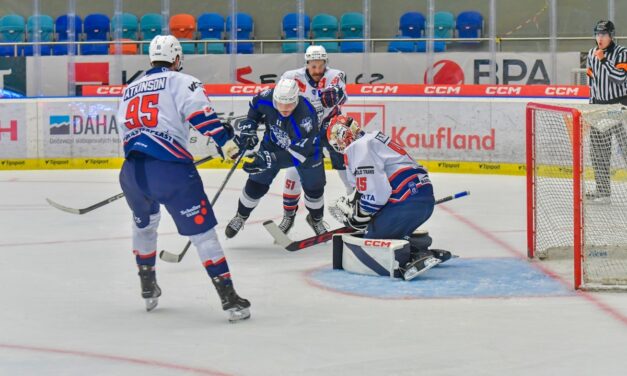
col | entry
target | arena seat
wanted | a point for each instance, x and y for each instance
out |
(324, 26)
(12, 29)
(183, 26)
(438, 46)
(443, 25)
(61, 29)
(150, 26)
(245, 28)
(211, 27)
(412, 24)
(469, 25)
(401, 45)
(45, 29)
(352, 27)
(96, 28)
(129, 24)
(289, 26)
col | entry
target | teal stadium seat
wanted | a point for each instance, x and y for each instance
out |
(324, 26)
(290, 31)
(352, 26)
(129, 24)
(42, 25)
(150, 26)
(443, 25)
(12, 29)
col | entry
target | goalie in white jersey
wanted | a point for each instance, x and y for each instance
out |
(325, 89)
(393, 194)
(154, 120)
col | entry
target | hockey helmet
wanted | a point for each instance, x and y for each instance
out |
(604, 27)
(316, 53)
(341, 132)
(285, 95)
(166, 48)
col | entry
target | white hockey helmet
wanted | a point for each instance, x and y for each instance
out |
(342, 131)
(316, 53)
(166, 48)
(285, 95)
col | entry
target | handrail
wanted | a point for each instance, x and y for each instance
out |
(261, 42)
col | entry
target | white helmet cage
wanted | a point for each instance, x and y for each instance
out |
(166, 48)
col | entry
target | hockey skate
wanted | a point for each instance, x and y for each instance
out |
(415, 268)
(150, 289)
(288, 221)
(235, 225)
(442, 255)
(319, 226)
(237, 308)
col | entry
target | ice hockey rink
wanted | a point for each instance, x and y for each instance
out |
(71, 305)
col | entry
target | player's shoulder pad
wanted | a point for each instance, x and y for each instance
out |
(294, 73)
(189, 81)
(336, 75)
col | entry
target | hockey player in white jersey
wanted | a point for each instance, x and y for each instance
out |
(325, 89)
(154, 118)
(393, 194)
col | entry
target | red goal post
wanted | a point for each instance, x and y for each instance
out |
(562, 224)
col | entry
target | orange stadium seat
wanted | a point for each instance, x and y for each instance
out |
(183, 26)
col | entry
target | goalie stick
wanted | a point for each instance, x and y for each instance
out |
(295, 245)
(107, 201)
(173, 257)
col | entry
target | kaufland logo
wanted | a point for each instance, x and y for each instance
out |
(371, 116)
(59, 125)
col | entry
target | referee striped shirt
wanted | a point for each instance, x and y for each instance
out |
(608, 77)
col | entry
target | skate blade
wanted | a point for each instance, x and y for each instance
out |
(413, 272)
(236, 315)
(151, 303)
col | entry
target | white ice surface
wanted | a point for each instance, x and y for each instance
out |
(70, 302)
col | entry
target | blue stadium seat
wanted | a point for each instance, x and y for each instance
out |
(61, 28)
(290, 31)
(469, 24)
(324, 26)
(352, 26)
(438, 46)
(150, 26)
(412, 25)
(211, 27)
(401, 45)
(96, 28)
(45, 30)
(12, 29)
(245, 28)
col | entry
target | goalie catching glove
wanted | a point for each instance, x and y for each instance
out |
(348, 211)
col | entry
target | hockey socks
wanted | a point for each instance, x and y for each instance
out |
(218, 268)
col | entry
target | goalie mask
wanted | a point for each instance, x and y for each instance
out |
(341, 132)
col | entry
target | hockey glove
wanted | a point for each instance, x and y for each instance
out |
(263, 161)
(330, 97)
(353, 216)
(247, 138)
(229, 151)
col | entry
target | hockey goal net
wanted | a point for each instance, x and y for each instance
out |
(577, 192)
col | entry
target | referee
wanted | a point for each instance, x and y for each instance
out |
(607, 77)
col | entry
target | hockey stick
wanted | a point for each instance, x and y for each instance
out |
(107, 201)
(174, 258)
(284, 241)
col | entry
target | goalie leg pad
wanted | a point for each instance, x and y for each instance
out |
(379, 257)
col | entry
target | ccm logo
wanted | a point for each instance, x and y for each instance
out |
(110, 90)
(248, 89)
(503, 90)
(377, 243)
(379, 89)
(442, 90)
(561, 91)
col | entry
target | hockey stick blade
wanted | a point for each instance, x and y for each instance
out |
(102, 203)
(174, 258)
(296, 245)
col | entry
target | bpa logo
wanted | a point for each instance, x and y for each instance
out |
(9, 132)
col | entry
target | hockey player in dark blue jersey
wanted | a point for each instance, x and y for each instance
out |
(291, 139)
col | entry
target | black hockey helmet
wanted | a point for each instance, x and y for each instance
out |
(604, 26)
